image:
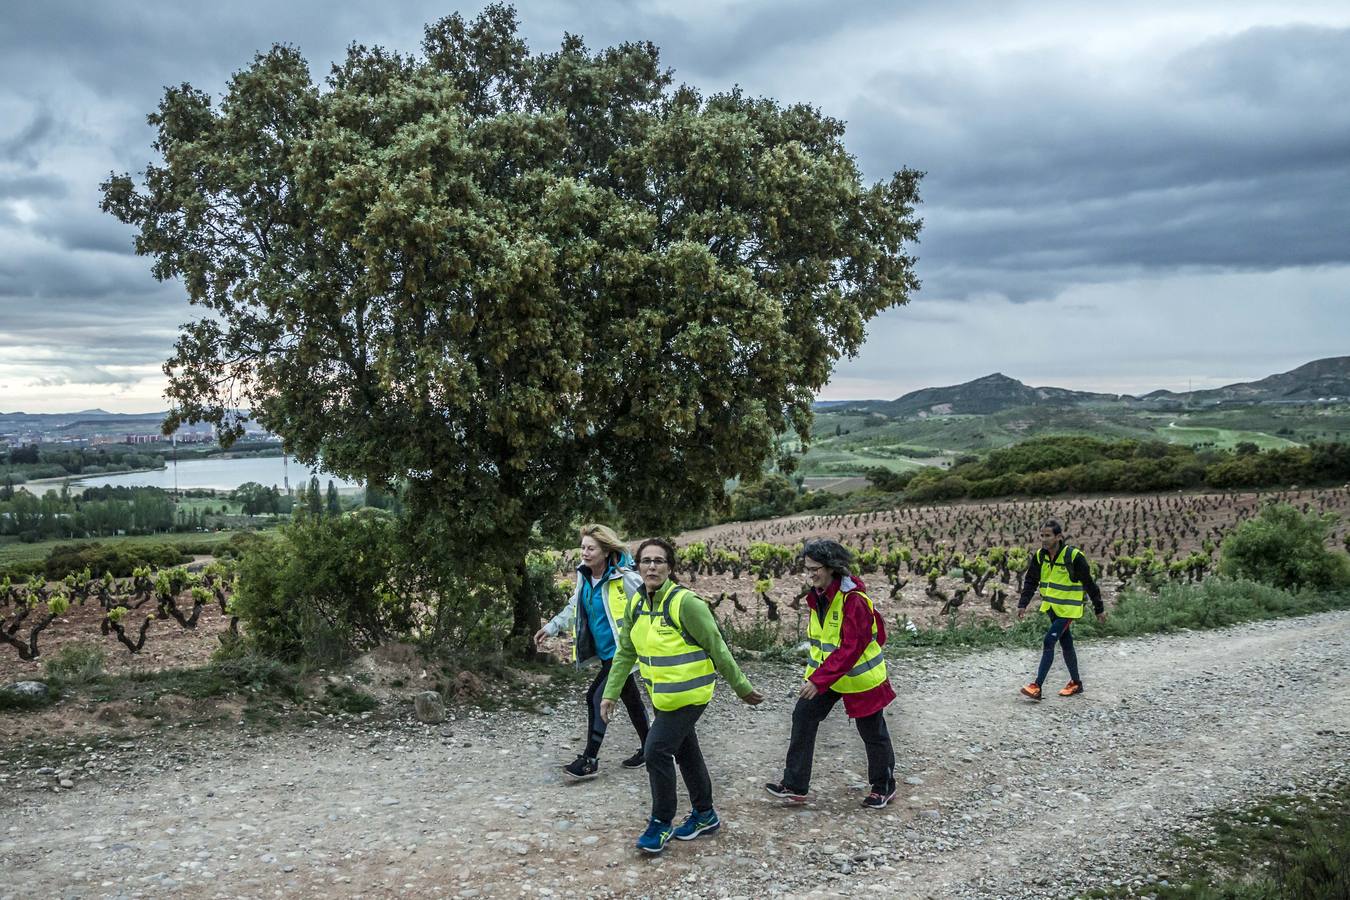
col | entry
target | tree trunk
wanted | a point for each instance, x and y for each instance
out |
(525, 613)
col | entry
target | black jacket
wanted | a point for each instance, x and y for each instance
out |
(1079, 569)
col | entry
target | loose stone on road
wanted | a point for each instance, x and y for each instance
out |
(1170, 728)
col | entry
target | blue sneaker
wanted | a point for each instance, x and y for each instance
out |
(653, 840)
(698, 823)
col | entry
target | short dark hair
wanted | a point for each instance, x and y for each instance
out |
(830, 554)
(666, 546)
(1053, 525)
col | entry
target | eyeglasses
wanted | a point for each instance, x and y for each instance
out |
(653, 561)
(811, 570)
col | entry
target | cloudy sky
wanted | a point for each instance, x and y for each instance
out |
(1119, 197)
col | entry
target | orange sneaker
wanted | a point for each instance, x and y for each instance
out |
(1073, 687)
(1033, 691)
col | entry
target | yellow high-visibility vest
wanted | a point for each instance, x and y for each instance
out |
(824, 636)
(1059, 592)
(677, 671)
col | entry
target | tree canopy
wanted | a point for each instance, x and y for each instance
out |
(513, 282)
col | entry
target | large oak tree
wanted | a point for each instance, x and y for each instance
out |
(513, 282)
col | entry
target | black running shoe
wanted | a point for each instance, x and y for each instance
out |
(636, 761)
(582, 768)
(778, 790)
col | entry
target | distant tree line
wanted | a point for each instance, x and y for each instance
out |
(20, 464)
(99, 512)
(1059, 465)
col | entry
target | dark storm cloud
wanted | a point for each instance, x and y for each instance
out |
(25, 146)
(1232, 154)
(1057, 156)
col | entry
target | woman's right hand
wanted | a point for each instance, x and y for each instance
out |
(754, 698)
(539, 636)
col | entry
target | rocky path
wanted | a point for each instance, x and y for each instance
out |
(999, 797)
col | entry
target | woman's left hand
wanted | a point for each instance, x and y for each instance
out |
(808, 691)
(606, 710)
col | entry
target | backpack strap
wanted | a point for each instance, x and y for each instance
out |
(669, 615)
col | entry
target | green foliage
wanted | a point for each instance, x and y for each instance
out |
(256, 499)
(21, 464)
(323, 591)
(119, 559)
(76, 664)
(349, 698)
(768, 497)
(330, 587)
(758, 634)
(403, 271)
(96, 512)
(1057, 465)
(887, 481)
(1281, 848)
(1214, 603)
(1287, 549)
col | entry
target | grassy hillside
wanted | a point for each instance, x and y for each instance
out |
(848, 442)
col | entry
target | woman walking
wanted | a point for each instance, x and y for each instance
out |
(605, 582)
(671, 632)
(846, 635)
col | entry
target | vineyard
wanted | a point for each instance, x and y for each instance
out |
(922, 565)
(160, 618)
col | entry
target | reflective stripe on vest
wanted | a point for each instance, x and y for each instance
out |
(677, 671)
(1060, 594)
(824, 637)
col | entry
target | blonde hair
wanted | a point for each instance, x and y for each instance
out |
(603, 535)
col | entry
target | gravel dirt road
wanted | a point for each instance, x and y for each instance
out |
(999, 796)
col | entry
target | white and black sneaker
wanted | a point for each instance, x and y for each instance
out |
(878, 800)
(583, 768)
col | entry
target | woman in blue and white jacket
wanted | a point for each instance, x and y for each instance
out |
(605, 581)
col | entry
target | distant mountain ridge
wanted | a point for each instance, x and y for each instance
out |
(1321, 379)
(1317, 380)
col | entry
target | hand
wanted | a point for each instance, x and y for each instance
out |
(1021, 611)
(606, 710)
(808, 691)
(1101, 616)
(754, 698)
(539, 636)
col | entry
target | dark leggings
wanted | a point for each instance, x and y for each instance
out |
(806, 718)
(632, 701)
(1058, 633)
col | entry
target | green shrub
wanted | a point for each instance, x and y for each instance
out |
(118, 558)
(773, 495)
(323, 591)
(1284, 548)
(349, 699)
(758, 634)
(887, 481)
(76, 664)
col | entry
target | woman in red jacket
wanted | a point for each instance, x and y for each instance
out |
(846, 634)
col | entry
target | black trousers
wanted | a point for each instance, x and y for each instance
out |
(632, 701)
(806, 718)
(672, 741)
